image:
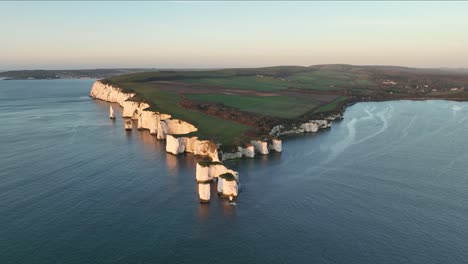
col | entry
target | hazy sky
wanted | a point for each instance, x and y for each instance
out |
(54, 35)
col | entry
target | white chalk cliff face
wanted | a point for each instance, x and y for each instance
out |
(149, 120)
(230, 188)
(175, 145)
(163, 127)
(204, 192)
(248, 151)
(109, 93)
(310, 127)
(133, 109)
(276, 145)
(179, 127)
(260, 147)
(203, 173)
(208, 172)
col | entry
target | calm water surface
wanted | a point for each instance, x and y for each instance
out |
(388, 184)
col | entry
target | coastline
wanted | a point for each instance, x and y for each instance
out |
(177, 134)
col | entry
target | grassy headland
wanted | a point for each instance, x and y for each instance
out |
(231, 105)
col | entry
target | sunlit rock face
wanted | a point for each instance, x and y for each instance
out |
(161, 130)
(207, 171)
(109, 93)
(219, 169)
(204, 192)
(206, 148)
(310, 127)
(175, 145)
(149, 120)
(179, 127)
(248, 151)
(276, 145)
(202, 173)
(190, 143)
(260, 147)
(227, 185)
(133, 109)
(230, 188)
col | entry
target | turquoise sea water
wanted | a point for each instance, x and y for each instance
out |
(388, 184)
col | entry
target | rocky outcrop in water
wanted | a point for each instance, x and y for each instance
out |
(276, 145)
(261, 147)
(204, 192)
(173, 130)
(227, 186)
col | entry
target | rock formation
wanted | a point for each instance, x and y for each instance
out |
(204, 192)
(111, 112)
(261, 147)
(132, 109)
(175, 145)
(276, 145)
(227, 185)
(163, 127)
(248, 151)
(128, 125)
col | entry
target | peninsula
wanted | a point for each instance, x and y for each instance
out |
(239, 113)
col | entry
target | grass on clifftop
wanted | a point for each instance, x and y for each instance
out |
(279, 106)
(209, 127)
(284, 92)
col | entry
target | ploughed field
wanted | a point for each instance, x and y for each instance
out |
(232, 105)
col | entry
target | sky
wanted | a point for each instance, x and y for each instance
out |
(183, 34)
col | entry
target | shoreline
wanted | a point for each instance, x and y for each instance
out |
(179, 137)
(177, 134)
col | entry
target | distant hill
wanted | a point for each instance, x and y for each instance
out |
(67, 74)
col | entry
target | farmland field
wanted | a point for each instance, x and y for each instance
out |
(228, 104)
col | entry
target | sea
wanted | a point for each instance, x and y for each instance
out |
(387, 184)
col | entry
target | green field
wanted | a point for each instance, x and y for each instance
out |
(285, 92)
(256, 83)
(279, 106)
(209, 127)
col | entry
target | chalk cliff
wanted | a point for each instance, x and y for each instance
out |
(109, 93)
(179, 127)
(207, 171)
(260, 147)
(175, 145)
(276, 145)
(248, 151)
(133, 109)
(227, 185)
(204, 192)
(173, 130)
